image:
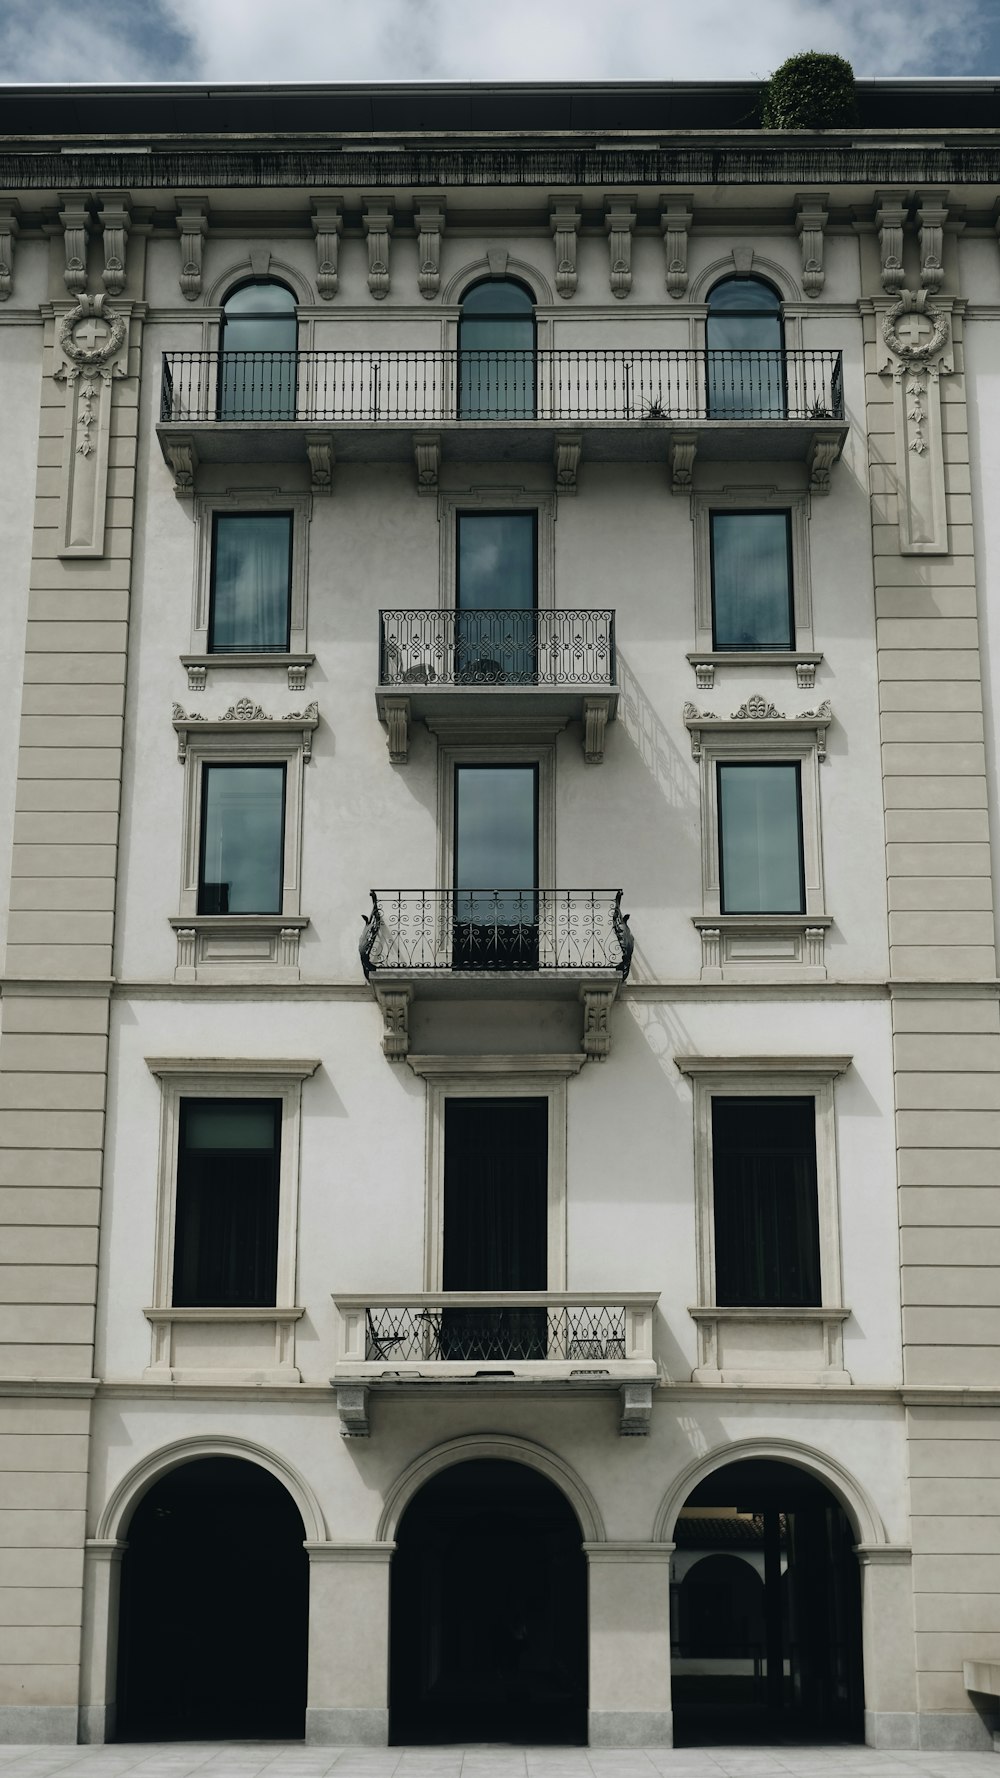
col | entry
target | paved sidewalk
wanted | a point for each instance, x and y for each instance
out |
(274, 1759)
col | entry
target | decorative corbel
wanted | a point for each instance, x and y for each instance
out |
(823, 454)
(352, 1408)
(742, 259)
(811, 217)
(566, 459)
(260, 256)
(932, 214)
(328, 225)
(597, 1004)
(564, 226)
(394, 1004)
(192, 226)
(497, 259)
(74, 208)
(427, 455)
(378, 224)
(396, 716)
(429, 222)
(319, 450)
(116, 220)
(596, 716)
(182, 460)
(889, 220)
(637, 1409)
(676, 217)
(10, 211)
(619, 223)
(681, 455)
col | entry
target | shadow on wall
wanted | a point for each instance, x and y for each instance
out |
(670, 769)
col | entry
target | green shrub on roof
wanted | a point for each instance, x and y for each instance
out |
(812, 91)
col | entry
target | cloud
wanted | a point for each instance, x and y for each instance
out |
(335, 40)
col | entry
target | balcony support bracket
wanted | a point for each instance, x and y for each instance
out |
(596, 715)
(597, 1004)
(566, 459)
(352, 1406)
(637, 1410)
(427, 453)
(394, 1004)
(682, 455)
(396, 715)
(319, 450)
(823, 454)
(181, 454)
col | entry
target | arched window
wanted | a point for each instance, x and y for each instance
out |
(746, 359)
(496, 352)
(259, 337)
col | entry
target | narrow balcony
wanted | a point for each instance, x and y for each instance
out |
(497, 1340)
(503, 943)
(620, 404)
(439, 665)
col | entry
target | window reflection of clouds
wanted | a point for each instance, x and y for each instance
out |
(760, 829)
(496, 561)
(495, 841)
(242, 845)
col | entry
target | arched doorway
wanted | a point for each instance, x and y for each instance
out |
(258, 341)
(766, 1610)
(489, 1611)
(745, 349)
(496, 352)
(214, 1608)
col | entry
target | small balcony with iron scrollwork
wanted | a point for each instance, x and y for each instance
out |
(590, 1342)
(460, 944)
(514, 664)
(561, 405)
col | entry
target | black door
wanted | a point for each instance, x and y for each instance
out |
(495, 1224)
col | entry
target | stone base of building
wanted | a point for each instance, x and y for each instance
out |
(933, 1731)
(24, 1724)
(347, 1728)
(97, 1724)
(630, 1728)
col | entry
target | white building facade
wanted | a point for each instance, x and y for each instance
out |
(543, 535)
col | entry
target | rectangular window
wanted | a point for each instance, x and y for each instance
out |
(751, 555)
(496, 867)
(765, 1196)
(226, 1219)
(496, 597)
(760, 838)
(251, 579)
(495, 1222)
(242, 839)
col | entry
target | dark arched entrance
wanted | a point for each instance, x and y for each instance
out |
(770, 1648)
(214, 1608)
(489, 1611)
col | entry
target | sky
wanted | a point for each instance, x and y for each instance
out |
(333, 40)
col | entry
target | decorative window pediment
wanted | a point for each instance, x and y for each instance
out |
(758, 716)
(245, 717)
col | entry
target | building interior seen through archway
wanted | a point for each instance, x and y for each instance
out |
(765, 1610)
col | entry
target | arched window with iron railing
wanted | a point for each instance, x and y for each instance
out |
(745, 351)
(496, 352)
(257, 356)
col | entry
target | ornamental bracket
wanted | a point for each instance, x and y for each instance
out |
(637, 1410)
(352, 1406)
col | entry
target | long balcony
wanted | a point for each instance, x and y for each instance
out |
(620, 404)
(440, 665)
(502, 943)
(495, 1340)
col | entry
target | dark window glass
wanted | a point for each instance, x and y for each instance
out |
(495, 1222)
(766, 1218)
(752, 580)
(496, 595)
(226, 1225)
(251, 582)
(496, 865)
(746, 360)
(760, 839)
(259, 337)
(496, 345)
(242, 834)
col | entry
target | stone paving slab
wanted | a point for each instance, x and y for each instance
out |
(274, 1759)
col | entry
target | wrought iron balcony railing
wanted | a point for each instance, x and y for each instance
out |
(496, 929)
(497, 1327)
(562, 384)
(470, 648)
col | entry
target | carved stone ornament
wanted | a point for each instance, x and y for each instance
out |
(675, 226)
(681, 455)
(328, 225)
(396, 716)
(394, 1004)
(182, 459)
(823, 454)
(564, 225)
(76, 219)
(915, 347)
(889, 219)
(91, 349)
(566, 460)
(352, 1410)
(427, 456)
(931, 218)
(319, 450)
(636, 1410)
(811, 218)
(429, 222)
(192, 224)
(916, 336)
(244, 710)
(378, 222)
(597, 1004)
(619, 223)
(102, 335)
(596, 716)
(116, 221)
(758, 709)
(9, 226)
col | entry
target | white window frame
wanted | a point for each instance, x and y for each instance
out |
(813, 1336)
(803, 657)
(227, 1078)
(497, 1077)
(542, 754)
(241, 750)
(504, 499)
(250, 500)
